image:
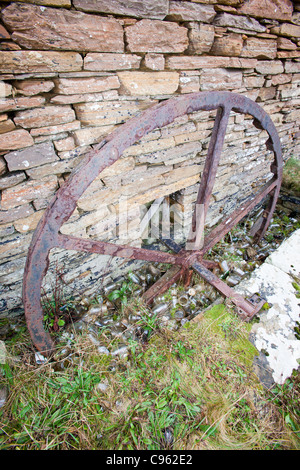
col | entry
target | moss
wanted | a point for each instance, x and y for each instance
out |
(101, 360)
(223, 322)
(296, 286)
(291, 176)
(266, 306)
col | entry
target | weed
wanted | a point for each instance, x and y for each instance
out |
(287, 397)
(125, 293)
(297, 330)
(58, 309)
(121, 294)
(148, 322)
(182, 353)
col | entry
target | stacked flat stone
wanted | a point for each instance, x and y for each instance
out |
(72, 72)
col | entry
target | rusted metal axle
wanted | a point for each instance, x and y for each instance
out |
(47, 235)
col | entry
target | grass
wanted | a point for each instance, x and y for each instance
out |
(291, 176)
(190, 390)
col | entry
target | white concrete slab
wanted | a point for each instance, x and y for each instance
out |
(287, 257)
(274, 335)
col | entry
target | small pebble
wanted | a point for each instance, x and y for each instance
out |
(3, 396)
(93, 339)
(39, 358)
(168, 437)
(121, 351)
(101, 387)
(103, 350)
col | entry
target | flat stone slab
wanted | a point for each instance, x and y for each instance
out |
(274, 335)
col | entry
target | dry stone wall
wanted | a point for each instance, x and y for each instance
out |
(72, 71)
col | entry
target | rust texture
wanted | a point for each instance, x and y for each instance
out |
(47, 235)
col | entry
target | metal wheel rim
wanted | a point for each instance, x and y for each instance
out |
(47, 236)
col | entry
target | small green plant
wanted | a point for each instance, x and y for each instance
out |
(296, 286)
(148, 321)
(230, 327)
(183, 353)
(286, 397)
(77, 389)
(269, 237)
(122, 294)
(53, 313)
(297, 330)
(57, 308)
(168, 296)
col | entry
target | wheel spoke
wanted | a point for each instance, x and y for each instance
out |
(111, 249)
(227, 224)
(245, 308)
(267, 215)
(208, 177)
(163, 284)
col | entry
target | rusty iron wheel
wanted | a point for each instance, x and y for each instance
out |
(47, 235)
